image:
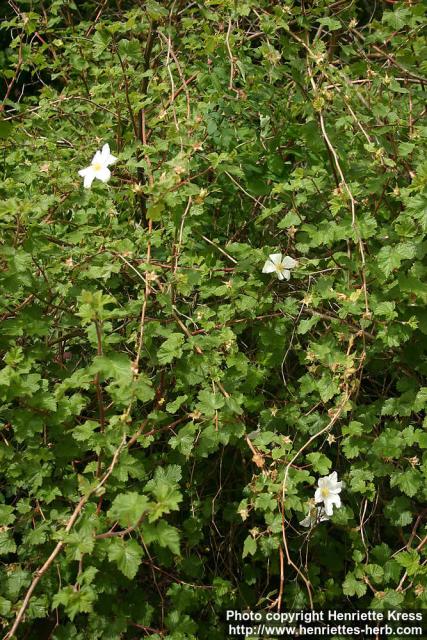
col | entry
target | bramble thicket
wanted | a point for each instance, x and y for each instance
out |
(213, 313)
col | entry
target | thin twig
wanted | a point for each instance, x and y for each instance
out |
(330, 424)
(39, 573)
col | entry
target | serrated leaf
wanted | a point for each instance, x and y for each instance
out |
(75, 600)
(5, 606)
(353, 587)
(7, 543)
(409, 481)
(410, 560)
(375, 572)
(126, 554)
(163, 534)
(321, 463)
(128, 508)
(209, 402)
(172, 407)
(389, 599)
(7, 515)
(249, 547)
(171, 348)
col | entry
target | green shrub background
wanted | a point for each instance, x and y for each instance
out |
(166, 408)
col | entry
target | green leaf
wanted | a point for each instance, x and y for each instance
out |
(126, 554)
(375, 572)
(406, 148)
(163, 534)
(331, 23)
(171, 348)
(409, 481)
(75, 601)
(128, 508)
(409, 560)
(209, 402)
(79, 544)
(390, 258)
(6, 514)
(167, 499)
(7, 544)
(155, 210)
(249, 547)
(113, 365)
(389, 599)
(353, 587)
(421, 400)
(361, 481)
(5, 129)
(321, 463)
(398, 511)
(84, 432)
(101, 40)
(172, 407)
(306, 324)
(5, 606)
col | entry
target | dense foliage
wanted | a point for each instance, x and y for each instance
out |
(167, 408)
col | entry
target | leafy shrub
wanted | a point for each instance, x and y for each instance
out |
(167, 408)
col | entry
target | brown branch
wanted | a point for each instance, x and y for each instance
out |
(99, 394)
(14, 79)
(330, 424)
(39, 573)
(140, 431)
(141, 133)
(128, 102)
(180, 89)
(180, 73)
(282, 579)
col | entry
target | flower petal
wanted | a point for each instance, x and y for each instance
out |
(97, 158)
(104, 174)
(105, 151)
(276, 258)
(322, 515)
(107, 157)
(318, 497)
(307, 521)
(330, 501)
(88, 179)
(289, 262)
(280, 275)
(336, 500)
(287, 274)
(336, 488)
(328, 508)
(268, 267)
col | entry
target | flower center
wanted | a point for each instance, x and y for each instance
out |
(279, 267)
(97, 166)
(325, 492)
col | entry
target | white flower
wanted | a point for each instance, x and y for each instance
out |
(327, 492)
(314, 516)
(98, 167)
(279, 264)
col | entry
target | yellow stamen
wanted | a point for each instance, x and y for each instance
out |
(97, 166)
(325, 492)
